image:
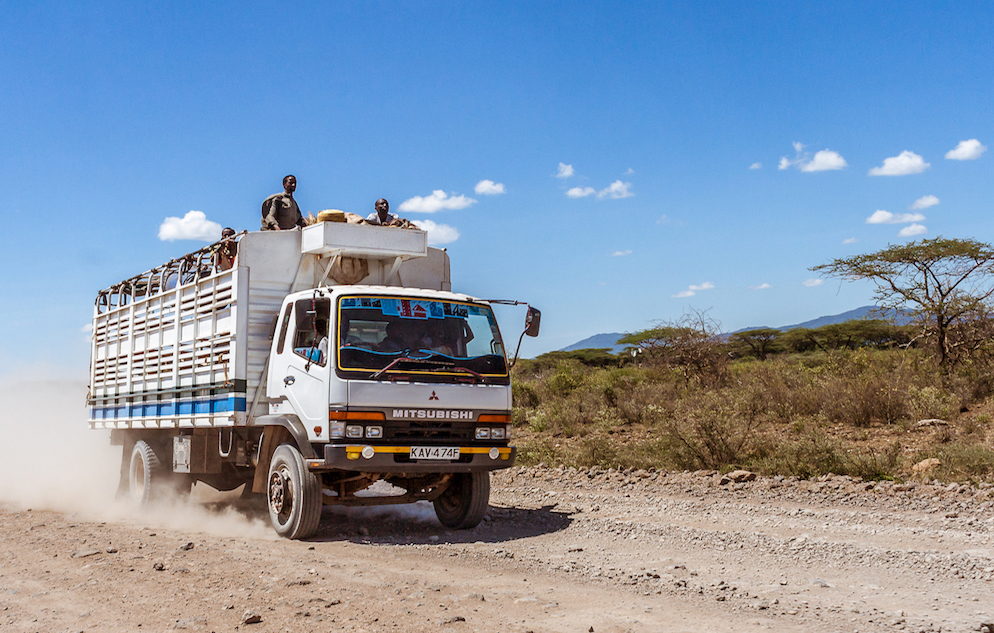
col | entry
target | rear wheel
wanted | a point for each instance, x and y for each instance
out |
(149, 480)
(294, 494)
(465, 501)
(146, 476)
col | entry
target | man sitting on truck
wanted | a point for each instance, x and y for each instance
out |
(382, 215)
(280, 211)
(225, 250)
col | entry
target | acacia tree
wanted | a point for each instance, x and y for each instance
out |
(760, 342)
(945, 283)
(692, 345)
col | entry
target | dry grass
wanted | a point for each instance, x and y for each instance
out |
(843, 412)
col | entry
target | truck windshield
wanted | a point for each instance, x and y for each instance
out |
(436, 341)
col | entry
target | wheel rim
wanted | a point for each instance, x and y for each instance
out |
(450, 500)
(281, 494)
(138, 478)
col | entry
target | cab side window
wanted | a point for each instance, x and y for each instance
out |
(310, 338)
(283, 328)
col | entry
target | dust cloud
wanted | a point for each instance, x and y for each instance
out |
(51, 460)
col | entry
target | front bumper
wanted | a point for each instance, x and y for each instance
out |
(395, 459)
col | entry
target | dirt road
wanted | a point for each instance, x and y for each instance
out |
(559, 551)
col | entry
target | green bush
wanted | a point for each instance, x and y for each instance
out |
(931, 402)
(794, 414)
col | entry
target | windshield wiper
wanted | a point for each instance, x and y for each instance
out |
(451, 366)
(439, 365)
(467, 370)
(405, 356)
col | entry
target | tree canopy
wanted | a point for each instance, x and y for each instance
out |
(946, 283)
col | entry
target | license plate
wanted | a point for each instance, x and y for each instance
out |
(434, 452)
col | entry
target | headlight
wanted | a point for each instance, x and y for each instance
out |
(336, 429)
(374, 432)
(353, 431)
(498, 433)
(482, 433)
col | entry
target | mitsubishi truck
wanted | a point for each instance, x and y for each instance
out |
(315, 364)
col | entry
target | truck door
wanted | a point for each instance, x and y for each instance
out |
(299, 367)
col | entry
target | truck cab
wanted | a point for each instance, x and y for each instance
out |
(408, 386)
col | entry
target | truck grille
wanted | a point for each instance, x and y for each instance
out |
(429, 431)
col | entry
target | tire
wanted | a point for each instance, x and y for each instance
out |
(146, 475)
(293, 494)
(150, 481)
(465, 501)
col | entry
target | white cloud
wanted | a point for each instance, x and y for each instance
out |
(437, 201)
(489, 188)
(620, 253)
(903, 164)
(811, 283)
(756, 166)
(850, 240)
(825, 160)
(763, 286)
(924, 202)
(88, 328)
(693, 290)
(628, 172)
(967, 150)
(886, 217)
(192, 226)
(565, 171)
(581, 192)
(912, 230)
(438, 234)
(664, 219)
(616, 190)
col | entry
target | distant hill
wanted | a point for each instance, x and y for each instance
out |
(900, 317)
(599, 341)
(610, 341)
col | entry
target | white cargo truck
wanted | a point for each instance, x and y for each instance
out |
(317, 363)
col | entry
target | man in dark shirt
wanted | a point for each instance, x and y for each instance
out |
(280, 211)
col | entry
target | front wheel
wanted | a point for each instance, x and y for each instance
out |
(465, 501)
(294, 494)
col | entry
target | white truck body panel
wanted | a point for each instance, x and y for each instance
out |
(423, 395)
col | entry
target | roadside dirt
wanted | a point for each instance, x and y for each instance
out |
(560, 551)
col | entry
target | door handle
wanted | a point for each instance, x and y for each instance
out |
(289, 380)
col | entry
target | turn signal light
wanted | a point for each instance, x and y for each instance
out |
(356, 415)
(495, 418)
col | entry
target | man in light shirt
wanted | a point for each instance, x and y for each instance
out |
(382, 214)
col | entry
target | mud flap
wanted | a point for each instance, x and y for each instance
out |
(272, 437)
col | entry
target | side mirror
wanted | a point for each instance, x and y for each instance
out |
(532, 321)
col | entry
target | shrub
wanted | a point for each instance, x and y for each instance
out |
(931, 402)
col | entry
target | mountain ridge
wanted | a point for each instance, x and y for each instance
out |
(610, 340)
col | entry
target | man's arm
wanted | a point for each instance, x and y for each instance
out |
(269, 206)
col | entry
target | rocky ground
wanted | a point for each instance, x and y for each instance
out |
(560, 550)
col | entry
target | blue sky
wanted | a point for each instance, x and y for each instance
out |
(672, 118)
